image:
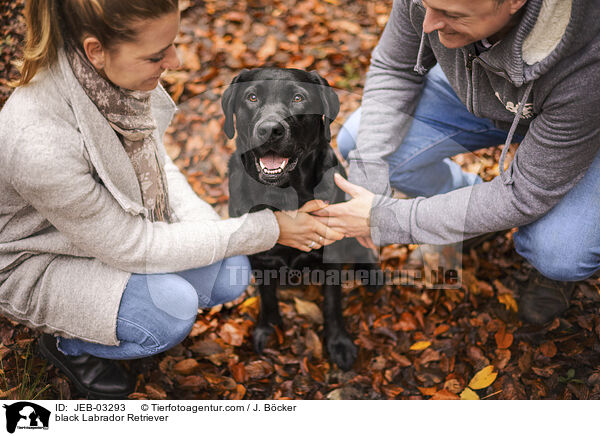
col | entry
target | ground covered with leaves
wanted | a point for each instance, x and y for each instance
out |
(416, 341)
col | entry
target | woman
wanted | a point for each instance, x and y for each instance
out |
(102, 241)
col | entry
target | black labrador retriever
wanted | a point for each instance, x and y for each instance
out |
(283, 159)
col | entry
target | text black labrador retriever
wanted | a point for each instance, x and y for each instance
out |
(282, 160)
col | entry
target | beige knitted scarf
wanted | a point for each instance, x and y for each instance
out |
(128, 113)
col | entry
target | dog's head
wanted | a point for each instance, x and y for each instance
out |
(281, 115)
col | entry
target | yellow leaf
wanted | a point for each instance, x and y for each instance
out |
(468, 394)
(483, 378)
(508, 301)
(420, 345)
(248, 304)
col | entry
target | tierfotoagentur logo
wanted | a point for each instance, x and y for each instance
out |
(26, 415)
(440, 278)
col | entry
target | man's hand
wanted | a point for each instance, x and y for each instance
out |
(299, 229)
(351, 217)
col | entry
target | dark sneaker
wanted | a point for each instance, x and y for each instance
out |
(94, 377)
(543, 299)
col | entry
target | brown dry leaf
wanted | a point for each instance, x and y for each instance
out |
(259, 369)
(501, 288)
(485, 289)
(309, 309)
(406, 323)
(419, 345)
(194, 382)
(4, 351)
(429, 355)
(313, 344)
(483, 378)
(155, 392)
(503, 357)
(543, 372)
(443, 394)
(240, 392)
(239, 372)
(186, 367)
(442, 328)
(468, 394)
(9, 393)
(166, 364)
(453, 385)
(232, 334)
(402, 360)
(503, 339)
(198, 328)
(206, 348)
(427, 391)
(268, 49)
(392, 391)
(548, 349)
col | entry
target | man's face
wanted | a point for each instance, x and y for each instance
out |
(462, 22)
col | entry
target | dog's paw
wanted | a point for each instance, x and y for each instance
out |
(342, 350)
(261, 336)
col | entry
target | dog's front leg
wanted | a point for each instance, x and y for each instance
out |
(268, 317)
(340, 346)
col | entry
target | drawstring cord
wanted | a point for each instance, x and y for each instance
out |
(419, 68)
(507, 178)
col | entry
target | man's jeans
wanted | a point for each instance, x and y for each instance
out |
(563, 245)
(158, 311)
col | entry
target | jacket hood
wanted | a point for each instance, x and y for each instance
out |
(555, 29)
(548, 32)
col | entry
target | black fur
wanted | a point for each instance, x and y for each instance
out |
(288, 113)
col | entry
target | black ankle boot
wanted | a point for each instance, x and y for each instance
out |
(94, 377)
(543, 299)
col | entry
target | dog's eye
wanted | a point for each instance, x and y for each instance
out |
(298, 98)
(252, 97)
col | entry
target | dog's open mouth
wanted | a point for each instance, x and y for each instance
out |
(272, 165)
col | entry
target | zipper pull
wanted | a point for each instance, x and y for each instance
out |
(470, 59)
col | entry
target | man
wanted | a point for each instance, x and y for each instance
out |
(507, 71)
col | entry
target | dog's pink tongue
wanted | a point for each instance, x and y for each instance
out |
(272, 161)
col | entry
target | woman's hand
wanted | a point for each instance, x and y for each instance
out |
(299, 229)
(351, 217)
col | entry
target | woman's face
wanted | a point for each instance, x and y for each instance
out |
(138, 64)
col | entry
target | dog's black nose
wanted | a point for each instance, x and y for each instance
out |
(270, 130)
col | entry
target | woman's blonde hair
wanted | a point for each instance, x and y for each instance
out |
(51, 22)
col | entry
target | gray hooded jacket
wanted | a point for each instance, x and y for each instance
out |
(540, 81)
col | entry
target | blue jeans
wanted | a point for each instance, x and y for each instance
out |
(157, 311)
(563, 245)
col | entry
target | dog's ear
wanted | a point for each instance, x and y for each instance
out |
(331, 103)
(228, 101)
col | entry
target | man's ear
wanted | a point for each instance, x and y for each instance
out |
(228, 103)
(516, 5)
(94, 51)
(330, 101)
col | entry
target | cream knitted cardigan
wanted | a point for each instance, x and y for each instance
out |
(72, 224)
